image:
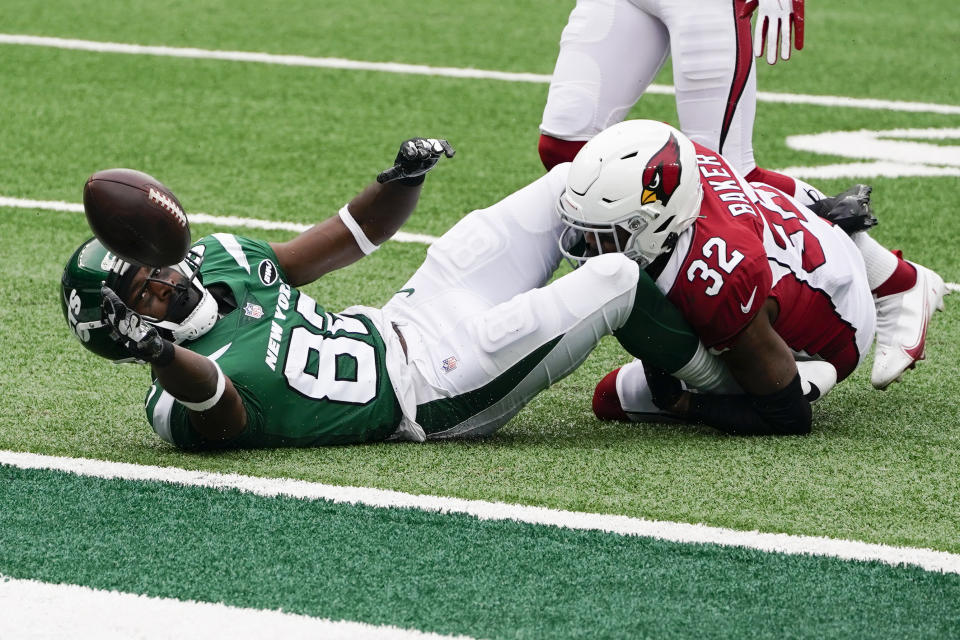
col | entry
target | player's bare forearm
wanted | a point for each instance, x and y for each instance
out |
(193, 378)
(370, 218)
(759, 359)
(381, 209)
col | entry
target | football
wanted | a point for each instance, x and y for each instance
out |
(136, 217)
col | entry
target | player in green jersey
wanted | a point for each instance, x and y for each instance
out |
(241, 358)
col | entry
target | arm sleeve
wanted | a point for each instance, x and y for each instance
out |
(784, 412)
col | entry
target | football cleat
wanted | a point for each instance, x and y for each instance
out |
(902, 320)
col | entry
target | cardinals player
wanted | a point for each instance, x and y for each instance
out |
(763, 280)
(611, 50)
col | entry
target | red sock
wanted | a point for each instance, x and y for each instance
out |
(902, 278)
(606, 403)
(781, 181)
(553, 151)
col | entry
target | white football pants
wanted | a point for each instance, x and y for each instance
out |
(484, 331)
(611, 50)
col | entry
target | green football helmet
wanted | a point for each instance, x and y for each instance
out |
(191, 314)
(90, 267)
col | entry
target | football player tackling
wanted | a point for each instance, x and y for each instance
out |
(763, 280)
(241, 358)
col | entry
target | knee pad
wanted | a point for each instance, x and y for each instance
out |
(506, 324)
(470, 242)
(599, 281)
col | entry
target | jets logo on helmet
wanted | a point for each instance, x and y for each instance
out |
(662, 175)
(633, 188)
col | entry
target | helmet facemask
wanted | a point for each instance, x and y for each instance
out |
(621, 235)
(192, 310)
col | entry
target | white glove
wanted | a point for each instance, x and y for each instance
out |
(775, 20)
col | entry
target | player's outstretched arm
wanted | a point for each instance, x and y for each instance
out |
(216, 409)
(368, 220)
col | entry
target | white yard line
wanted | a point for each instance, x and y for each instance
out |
(34, 609)
(927, 559)
(231, 222)
(201, 218)
(417, 69)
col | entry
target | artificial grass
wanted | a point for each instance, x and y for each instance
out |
(294, 144)
(444, 573)
(878, 467)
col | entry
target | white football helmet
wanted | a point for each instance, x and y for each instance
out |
(638, 176)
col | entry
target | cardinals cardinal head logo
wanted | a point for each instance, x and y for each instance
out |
(662, 175)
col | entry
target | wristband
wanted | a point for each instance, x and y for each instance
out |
(362, 240)
(165, 355)
(212, 400)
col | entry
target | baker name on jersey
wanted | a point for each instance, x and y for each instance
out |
(728, 190)
(276, 329)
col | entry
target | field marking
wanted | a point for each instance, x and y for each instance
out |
(927, 559)
(231, 221)
(33, 609)
(425, 70)
(892, 153)
(202, 218)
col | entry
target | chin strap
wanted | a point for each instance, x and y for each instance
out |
(198, 322)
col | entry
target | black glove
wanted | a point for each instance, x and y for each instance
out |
(664, 388)
(130, 331)
(849, 210)
(416, 157)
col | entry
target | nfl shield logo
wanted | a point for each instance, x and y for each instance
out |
(254, 311)
(449, 364)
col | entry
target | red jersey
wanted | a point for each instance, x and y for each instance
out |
(753, 242)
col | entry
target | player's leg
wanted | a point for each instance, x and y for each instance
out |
(528, 343)
(483, 371)
(610, 52)
(906, 293)
(492, 254)
(623, 394)
(714, 76)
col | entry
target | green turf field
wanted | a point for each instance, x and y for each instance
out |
(293, 144)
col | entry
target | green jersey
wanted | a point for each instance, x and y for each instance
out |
(306, 376)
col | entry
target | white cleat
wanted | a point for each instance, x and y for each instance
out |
(902, 320)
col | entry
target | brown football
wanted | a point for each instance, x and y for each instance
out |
(136, 217)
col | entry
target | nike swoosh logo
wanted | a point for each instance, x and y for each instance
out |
(409, 291)
(746, 307)
(916, 352)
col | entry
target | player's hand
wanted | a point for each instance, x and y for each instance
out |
(775, 20)
(416, 157)
(850, 210)
(140, 339)
(665, 389)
